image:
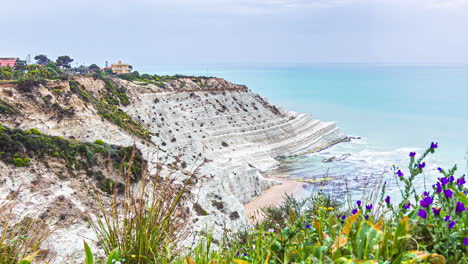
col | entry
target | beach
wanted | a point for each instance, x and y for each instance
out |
(270, 197)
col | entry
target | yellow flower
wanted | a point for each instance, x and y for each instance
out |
(330, 208)
(133, 256)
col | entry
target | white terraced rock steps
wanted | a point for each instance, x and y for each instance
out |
(238, 131)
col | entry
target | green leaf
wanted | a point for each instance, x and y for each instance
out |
(88, 254)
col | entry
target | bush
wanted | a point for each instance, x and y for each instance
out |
(21, 162)
(99, 142)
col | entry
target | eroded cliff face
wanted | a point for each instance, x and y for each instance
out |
(236, 130)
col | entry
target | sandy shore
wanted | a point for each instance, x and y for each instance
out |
(272, 196)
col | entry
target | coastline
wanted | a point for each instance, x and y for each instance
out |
(270, 197)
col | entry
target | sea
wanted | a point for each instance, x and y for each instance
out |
(389, 110)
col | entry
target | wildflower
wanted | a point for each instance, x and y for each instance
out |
(434, 145)
(367, 217)
(354, 211)
(387, 199)
(358, 203)
(439, 169)
(422, 213)
(237, 254)
(399, 173)
(460, 207)
(447, 218)
(448, 193)
(330, 208)
(444, 181)
(461, 181)
(369, 207)
(412, 154)
(426, 201)
(307, 226)
(134, 256)
(406, 206)
(422, 165)
(245, 254)
(465, 241)
(343, 217)
(271, 230)
(438, 187)
(426, 194)
(451, 225)
(451, 179)
(436, 210)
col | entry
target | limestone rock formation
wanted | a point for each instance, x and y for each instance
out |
(239, 132)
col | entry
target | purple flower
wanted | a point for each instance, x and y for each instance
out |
(422, 213)
(439, 169)
(367, 217)
(438, 187)
(447, 218)
(451, 179)
(407, 206)
(465, 241)
(245, 254)
(451, 225)
(354, 211)
(426, 194)
(461, 181)
(307, 226)
(444, 181)
(369, 207)
(412, 154)
(338, 216)
(422, 165)
(436, 211)
(399, 173)
(448, 193)
(426, 201)
(359, 203)
(434, 145)
(460, 207)
(343, 217)
(387, 199)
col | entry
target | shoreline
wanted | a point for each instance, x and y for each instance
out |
(270, 197)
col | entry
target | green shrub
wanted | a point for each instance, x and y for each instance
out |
(99, 142)
(21, 162)
(57, 91)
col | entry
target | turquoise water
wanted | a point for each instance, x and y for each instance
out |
(395, 109)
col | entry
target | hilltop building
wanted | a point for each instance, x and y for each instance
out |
(121, 68)
(8, 62)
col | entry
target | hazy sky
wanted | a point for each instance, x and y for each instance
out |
(237, 31)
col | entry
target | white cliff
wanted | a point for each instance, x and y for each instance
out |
(238, 131)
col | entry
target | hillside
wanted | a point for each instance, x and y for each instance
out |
(182, 120)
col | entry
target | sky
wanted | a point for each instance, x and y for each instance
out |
(174, 32)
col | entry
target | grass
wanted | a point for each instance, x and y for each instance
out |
(149, 221)
(321, 229)
(20, 235)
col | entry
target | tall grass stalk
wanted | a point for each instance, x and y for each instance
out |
(148, 222)
(20, 235)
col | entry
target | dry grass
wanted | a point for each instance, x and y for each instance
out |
(21, 234)
(148, 222)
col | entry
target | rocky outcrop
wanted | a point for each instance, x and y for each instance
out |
(237, 131)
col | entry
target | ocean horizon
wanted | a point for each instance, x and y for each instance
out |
(392, 109)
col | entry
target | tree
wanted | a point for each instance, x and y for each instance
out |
(94, 67)
(42, 59)
(64, 62)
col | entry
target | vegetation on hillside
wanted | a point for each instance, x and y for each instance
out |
(19, 147)
(431, 227)
(108, 106)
